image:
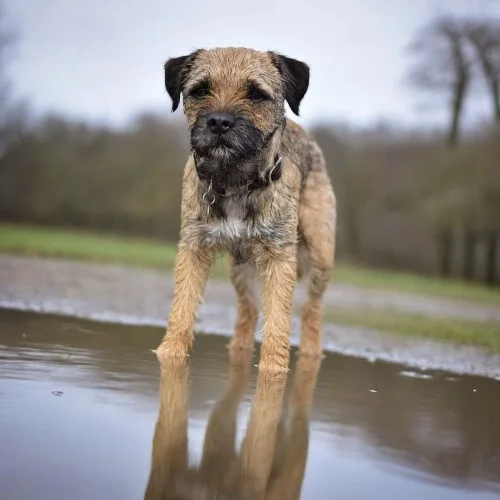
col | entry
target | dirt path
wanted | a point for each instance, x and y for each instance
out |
(131, 295)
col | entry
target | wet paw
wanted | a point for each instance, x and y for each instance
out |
(168, 350)
(273, 366)
(310, 351)
(241, 344)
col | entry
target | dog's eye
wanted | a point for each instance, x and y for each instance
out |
(201, 91)
(256, 95)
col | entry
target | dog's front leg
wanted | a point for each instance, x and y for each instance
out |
(192, 267)
(278, 271)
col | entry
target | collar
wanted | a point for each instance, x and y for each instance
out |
(262, 181)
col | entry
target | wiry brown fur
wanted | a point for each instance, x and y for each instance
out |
(266, 229)
(271, 462)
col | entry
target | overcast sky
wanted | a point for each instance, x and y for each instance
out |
(103, 59)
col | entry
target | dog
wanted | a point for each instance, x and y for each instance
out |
(255, 185)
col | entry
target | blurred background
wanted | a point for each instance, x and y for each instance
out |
(404, 99)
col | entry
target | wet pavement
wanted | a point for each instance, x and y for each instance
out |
(86, 413)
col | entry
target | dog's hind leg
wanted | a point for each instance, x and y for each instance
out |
(243, 278)
(317, 215)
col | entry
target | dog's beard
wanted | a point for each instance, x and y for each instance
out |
(226, 159)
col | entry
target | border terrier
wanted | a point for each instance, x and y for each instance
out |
(255, 185)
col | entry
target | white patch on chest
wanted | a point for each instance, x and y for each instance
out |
(235, 228)
(230, 229)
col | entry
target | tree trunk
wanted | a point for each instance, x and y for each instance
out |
(491, 257)
(446, 252)
(456, 111)
(469, 251)
(494, 85)
(495, 90)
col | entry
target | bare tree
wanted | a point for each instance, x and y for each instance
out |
(6, 41)
(13, 112)
(443, 64)
(485, 38)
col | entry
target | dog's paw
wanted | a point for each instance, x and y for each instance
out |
(311, 354)
(236, 345)
(310, 349)
(171, 350)
(269, 367)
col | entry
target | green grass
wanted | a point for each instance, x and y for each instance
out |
(37, 241)
(413, 283)
(485, 334)
(86, 246)
(49, 242)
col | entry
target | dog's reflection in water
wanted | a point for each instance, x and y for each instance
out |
(272, 459)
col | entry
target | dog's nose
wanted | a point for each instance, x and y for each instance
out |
(220, 123)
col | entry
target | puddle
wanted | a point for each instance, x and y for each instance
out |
(80, 419)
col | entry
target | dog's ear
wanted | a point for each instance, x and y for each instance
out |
(176, 70)
(295, 76)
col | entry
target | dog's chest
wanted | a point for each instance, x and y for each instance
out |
(232, 228)
(228, 230)
(236, 227)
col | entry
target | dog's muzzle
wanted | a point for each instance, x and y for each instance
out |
(225, 137)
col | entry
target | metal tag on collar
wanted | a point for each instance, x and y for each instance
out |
(207, 200)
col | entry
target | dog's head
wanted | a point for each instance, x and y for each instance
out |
(234, 101)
